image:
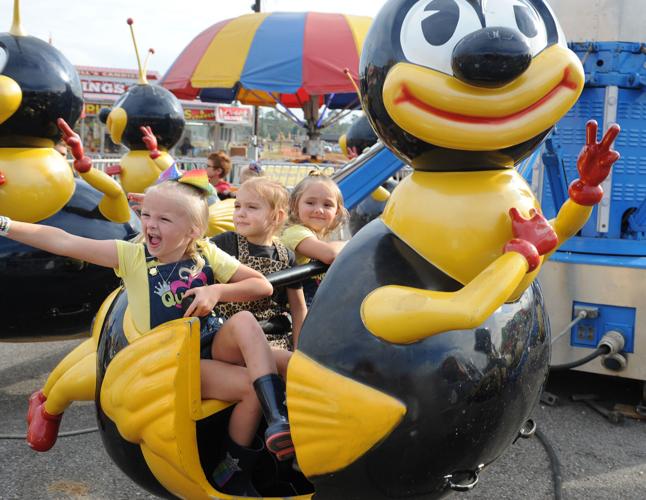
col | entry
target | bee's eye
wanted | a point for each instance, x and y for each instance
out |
(440, 25)
(4, 57)
(525, 21)
(431, 29)
(521, 16)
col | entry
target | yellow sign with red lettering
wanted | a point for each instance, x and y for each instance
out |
(199, 114)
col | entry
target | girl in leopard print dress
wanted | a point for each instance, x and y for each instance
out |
(259, 213)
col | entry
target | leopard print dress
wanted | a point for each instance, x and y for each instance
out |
(267, 307)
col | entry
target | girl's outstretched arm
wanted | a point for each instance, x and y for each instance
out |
(245, 285)
(323, 251)
(59, 242)
(297, 310)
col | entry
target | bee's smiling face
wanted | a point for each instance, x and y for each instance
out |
(470, 75)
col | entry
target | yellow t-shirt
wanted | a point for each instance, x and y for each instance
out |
(291, 238)
(133, 269)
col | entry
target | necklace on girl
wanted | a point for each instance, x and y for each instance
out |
(154, 271)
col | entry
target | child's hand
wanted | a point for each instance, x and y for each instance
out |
(205, 299)
(150, 141)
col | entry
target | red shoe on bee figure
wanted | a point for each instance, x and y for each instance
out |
(35, 400)
(42, 429)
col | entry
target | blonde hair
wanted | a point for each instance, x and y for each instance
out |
(297, 193)
(220, 160)
(250, 172)
(274, 193)
(193, 202)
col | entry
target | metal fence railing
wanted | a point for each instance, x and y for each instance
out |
(288, 174)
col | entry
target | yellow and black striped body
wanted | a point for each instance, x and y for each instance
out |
(466, 392)
(427, 345)
(64, 293)
(153, 422)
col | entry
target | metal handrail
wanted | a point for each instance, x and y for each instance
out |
(287, 173)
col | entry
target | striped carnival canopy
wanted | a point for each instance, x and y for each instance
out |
(263, 58)
(289, 59)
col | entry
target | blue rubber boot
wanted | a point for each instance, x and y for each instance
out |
(271, 394)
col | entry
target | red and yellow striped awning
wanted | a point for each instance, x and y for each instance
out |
(264, 58)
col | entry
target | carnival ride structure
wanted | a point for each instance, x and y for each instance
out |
(442, 342)
(428, 87)
(361, 137)
(285, 60)
(143, 105)
(594, 283)
(146, 105)
(39, 86)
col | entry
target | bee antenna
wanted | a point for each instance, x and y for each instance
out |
(142, 75)
(16, 26)
(150, 53)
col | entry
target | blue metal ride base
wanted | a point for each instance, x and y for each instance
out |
(614, 239)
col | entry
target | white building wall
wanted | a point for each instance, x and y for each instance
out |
(602, 20)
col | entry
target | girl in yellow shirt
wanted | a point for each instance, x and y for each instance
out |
(175, 262)
(315, 210)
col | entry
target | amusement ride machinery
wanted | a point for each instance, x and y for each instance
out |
(39, 87)
(594, 283)
(420, 313)
(284, 60)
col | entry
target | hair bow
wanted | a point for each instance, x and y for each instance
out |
(255, 167)
(196, 178)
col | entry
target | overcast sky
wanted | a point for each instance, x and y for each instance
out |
(95, 33)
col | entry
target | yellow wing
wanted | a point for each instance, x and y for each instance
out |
(326, 409)
(151, 391)
(221, 217)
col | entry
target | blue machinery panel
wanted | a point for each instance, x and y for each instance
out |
(621, 241)
(615, 91)
(588, 332)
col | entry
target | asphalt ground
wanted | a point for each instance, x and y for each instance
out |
(599, 460)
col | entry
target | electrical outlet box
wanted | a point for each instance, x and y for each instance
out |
(602, 318)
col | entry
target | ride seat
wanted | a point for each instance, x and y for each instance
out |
(211, 407)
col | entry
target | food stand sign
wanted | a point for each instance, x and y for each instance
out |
(199, 114)
(233, 114)
(93, 108)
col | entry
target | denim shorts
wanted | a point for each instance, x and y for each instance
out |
(310, 287)
(209, 326)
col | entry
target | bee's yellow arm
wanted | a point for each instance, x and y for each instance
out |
(403, 315)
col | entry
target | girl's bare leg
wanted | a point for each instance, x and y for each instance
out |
(227, 382)
(281, 357)
(241, 341)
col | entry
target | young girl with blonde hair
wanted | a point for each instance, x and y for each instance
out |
(315, 210)
(260, 211)
(174, 262)
(251, 171)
